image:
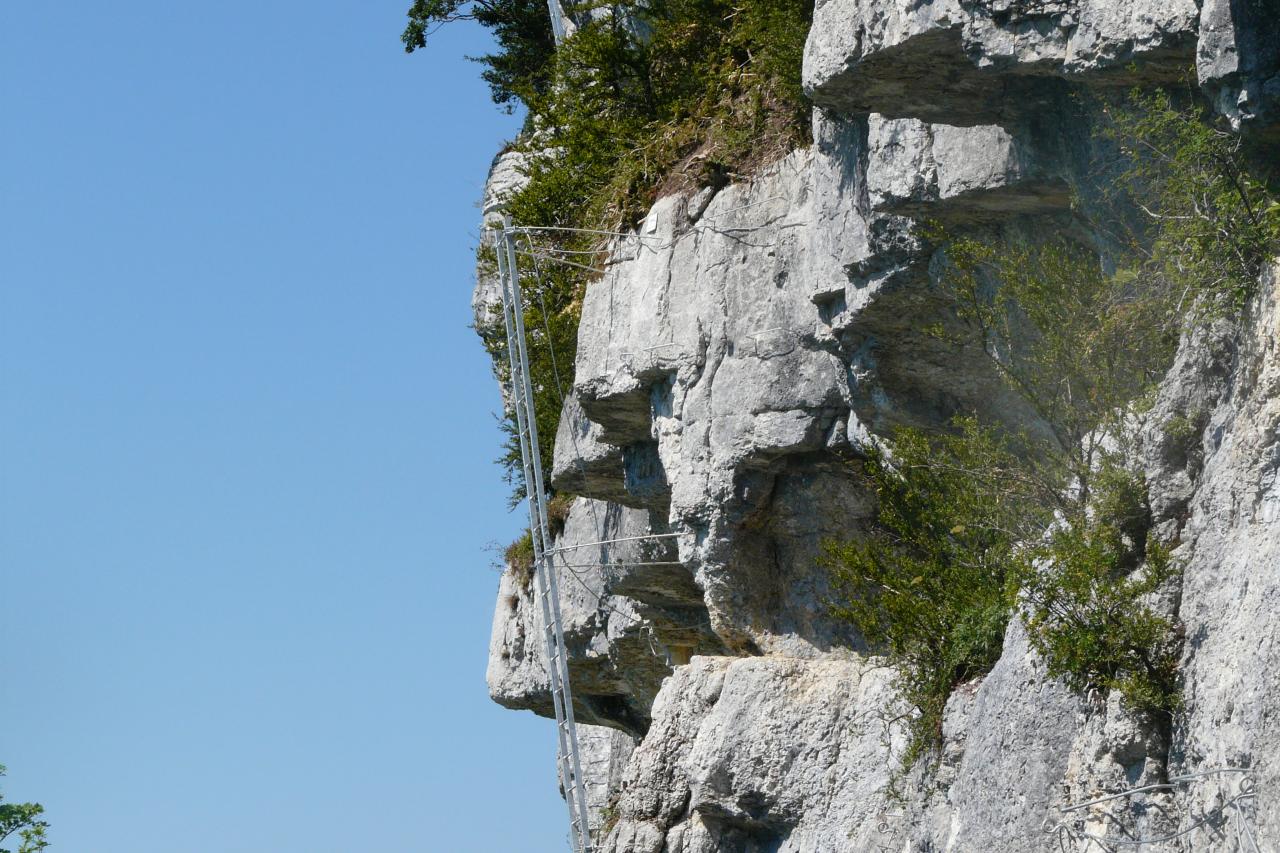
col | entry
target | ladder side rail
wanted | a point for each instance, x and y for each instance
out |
(529, 458)
(517, 386)
(537, 497)
(578, 790)
(557, 20)
(519, 400)
(552, 632)
(525, 426)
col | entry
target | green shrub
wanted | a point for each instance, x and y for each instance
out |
(1083, 593)
(558, 508)
(24, 819)
(969, 530)
(1083, 340)
(519, 555)
(929, 582)
(1208, 219)
(520, 558)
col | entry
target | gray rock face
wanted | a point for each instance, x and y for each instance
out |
(710, 392)
(948, 172)
(605, 753)
(742, 348)
(1231, 592)
(506, 176)
(617, 642)
(1238, 61)
(987, 61)
(997, 61)
(760, 754)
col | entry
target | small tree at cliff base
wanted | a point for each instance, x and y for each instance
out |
(23, 821)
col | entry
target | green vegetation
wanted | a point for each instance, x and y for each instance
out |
(520, 558)
(1084, 592)
(23, 819)
(1210, 219)
(978, 522)
(646, 98)
(520, 69)
(519, 554)
(929, 583)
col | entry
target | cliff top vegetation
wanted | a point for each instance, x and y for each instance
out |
(646, 98)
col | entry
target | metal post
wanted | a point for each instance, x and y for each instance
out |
(568, 758)
(557, 20)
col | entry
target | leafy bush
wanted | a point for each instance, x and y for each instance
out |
(974, 524)
(929, 583)
(519, 555)
(1084, 590)
(558, 508)
(23, 819)
(1209, 219)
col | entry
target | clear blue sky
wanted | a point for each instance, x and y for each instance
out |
(246, 436)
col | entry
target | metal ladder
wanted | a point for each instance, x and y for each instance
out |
(568, 760)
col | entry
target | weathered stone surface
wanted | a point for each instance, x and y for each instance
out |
(1238, 62)
(744, 346)
(1009, 739)
(1231, 590)
(714, 389)
(967, 62)
(759, 754)
(966, 173)
(605, 753)
(506, 176)
(584, 463)
(617, 659)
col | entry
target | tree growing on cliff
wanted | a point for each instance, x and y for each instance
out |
(520, 70)
(1210, 208)
(1082, 339)
(24, 820)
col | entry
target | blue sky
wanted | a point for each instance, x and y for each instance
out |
(246, 436)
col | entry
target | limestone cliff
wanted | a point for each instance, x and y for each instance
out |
(745, 341)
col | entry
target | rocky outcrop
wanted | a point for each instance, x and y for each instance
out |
(982, 61)
(742, 347)
(746, 753)
(1238, 62)
(617, 629)
(1228, 391)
